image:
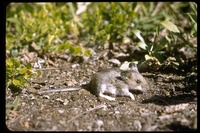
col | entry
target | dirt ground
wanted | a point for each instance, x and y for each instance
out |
(169, 105)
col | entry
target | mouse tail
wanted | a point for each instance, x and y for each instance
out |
(60, 90)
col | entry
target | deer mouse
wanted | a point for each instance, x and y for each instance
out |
(113, 81)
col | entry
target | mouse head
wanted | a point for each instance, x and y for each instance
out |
(134, 79)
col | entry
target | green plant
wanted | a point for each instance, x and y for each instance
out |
(193, 18)
(75, 50)
(26, 22)
(163, 46)
(17, 74)
(108, 21)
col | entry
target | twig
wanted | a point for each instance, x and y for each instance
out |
(97, 107)
(158, 6)
(42, 69)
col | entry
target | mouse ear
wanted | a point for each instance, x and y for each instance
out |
(125, 75)
(133, 66)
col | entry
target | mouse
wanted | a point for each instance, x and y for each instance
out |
(110, 82)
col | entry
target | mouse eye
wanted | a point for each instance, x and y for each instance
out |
(138, 81)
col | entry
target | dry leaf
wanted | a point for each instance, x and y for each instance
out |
(26, 124)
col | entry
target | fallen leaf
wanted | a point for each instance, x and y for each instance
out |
(26, 124)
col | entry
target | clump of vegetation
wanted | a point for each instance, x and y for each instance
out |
(17, 74)
(66, 27)
(170, 35)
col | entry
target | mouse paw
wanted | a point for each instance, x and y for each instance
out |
(132, 96)
(107, 97)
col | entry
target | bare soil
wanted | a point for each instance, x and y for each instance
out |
(169, 105)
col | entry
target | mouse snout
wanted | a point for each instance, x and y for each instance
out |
(138, 89)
